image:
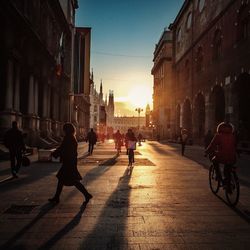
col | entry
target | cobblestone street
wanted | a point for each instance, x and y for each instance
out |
(164, 203)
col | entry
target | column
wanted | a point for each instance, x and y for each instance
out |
(36, 97)
(45, 101)
(17, 89)
(9, 86)
(31, 95)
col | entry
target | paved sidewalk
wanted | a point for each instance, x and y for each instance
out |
(196, 153)
(163, 203)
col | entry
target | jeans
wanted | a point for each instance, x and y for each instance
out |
(15, 160)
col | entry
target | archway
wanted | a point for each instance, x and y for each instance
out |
(199, 116)
(187, 114)
(217, 106)
(241, 90)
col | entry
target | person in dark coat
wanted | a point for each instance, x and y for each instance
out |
(13, 140)
(92, 139)
(68, 174)
(184, 138)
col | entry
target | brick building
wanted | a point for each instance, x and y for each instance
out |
(211, 66)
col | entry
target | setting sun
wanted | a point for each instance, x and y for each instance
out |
(140, 96)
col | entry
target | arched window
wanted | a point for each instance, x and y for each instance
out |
(189, 21)
(199, 59)
(217, 45)
(201, 5)
(243, 23)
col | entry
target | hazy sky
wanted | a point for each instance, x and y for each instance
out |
(124, 34)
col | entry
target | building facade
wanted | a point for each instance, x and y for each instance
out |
(82, 80)
(211, 66)
(124, 123)
(97, 109)
(35, 48)
(162, 73)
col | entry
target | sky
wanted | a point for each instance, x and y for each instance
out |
(123, 38)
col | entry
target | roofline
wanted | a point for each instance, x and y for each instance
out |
(161, 42)
(179, 15)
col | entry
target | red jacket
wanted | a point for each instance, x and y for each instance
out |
(224, 144)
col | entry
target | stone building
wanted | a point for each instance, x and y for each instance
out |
(110, 108)
(36, 68)
(96, 109)
(82, 80)
(123, 123)
(162, 73)
(211, 66)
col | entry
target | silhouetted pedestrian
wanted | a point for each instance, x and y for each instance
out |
(68, 174)
(184, 138)
(92, 139)
(140, 137)
(13, 140)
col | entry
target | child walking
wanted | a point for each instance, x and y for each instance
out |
(68, 174)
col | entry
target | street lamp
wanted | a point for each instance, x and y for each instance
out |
(139, 110)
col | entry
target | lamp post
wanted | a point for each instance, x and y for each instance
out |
(139, 110)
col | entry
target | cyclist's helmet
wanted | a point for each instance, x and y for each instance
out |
(225, 128)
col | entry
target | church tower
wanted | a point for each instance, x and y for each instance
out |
(101, 92)
(147, 115)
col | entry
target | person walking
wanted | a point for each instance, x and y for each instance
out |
(68, 175)
(126, 139)
(92, 139)
(13, 140)
(140, 137)
(118, 141)
(184, 138)
(131, 147)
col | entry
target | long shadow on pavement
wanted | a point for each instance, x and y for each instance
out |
(94, 174)
(109, 231)
(66, 229)
(9, 244)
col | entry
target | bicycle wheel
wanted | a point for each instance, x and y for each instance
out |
(214, 181)
(233, 191)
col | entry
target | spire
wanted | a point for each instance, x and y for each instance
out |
(92, 75)
(101, 91)
(148, 109)
(106, 100)
(101, 87)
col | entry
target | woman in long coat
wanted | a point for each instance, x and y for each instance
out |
(68, 174)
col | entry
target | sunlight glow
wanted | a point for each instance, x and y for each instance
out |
(139, 96)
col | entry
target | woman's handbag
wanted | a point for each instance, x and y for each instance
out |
(132, 145)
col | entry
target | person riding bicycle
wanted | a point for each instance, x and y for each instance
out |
(118, 140)
(223, 149)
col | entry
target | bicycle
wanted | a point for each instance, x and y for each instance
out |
(216, 181)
